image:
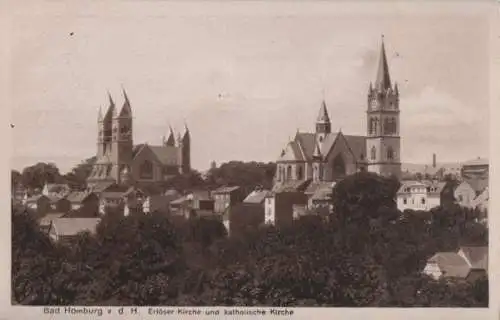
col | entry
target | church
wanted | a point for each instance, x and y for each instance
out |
(119, 161)
(326, 156)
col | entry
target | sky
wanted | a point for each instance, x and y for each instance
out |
(245, 77)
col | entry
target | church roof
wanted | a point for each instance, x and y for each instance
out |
(357, 145)
(307, 141)
(304, 145)
(166, 155)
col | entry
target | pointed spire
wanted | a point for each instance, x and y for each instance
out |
(99, 115)
(171, 138)
(323, 114)
(186, 131)
(383, 80)
(111, 108)
(126, 109)
(396, 89)
(370, 89)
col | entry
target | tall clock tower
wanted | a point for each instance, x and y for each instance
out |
(383, 142)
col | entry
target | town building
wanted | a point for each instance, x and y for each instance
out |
(280, 202)
(324, 155)
(420, 195)
(120, 161)
(39, 204)
(83, 204)
(67, 229)
(59, 190)
(469, 263)
(161, 202)
(224, 197)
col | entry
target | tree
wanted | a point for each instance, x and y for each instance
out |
(77, 177)
(36, 176)
(16, 178)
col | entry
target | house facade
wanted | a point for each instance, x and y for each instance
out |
(420, 195)
(224, 197)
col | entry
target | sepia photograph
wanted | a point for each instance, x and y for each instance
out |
(267, 154)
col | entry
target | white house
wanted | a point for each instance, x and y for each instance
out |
(420, 195)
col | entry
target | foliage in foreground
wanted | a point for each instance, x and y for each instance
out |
(369, 255)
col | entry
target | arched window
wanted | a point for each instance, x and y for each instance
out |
(373, 153)
(387, 126)
(289, 173)
(338, 166)
(146, 170)
(390, 153)
(299, 173)
(279, 173)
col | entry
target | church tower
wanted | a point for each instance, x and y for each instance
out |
(122, 143)
(323, 125)
(383, 143)
(185, 151)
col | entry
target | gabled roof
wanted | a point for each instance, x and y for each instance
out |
(57, 187)
(306, 141)
(256, 196)
(167, 155)
(358, 146)
(78, 196)
(292, 152)
(477, 184)
(101, 186)
(47, 219)
(477, 257)
(199, 195)
(73, 226)
(451, 264)
(225, 189)
(477, 162)
(292, 186)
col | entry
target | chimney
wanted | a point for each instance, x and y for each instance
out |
(433, 160)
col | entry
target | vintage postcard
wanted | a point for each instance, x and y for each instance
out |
(251, 159)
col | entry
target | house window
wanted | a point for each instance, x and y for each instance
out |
(374, 153)
(299, 173)
(289, 173)
(405, 201)
(390, 153)
(423, 200)
(146, 170)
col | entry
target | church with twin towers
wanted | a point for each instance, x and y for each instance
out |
(326, 156)
(119, 160)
